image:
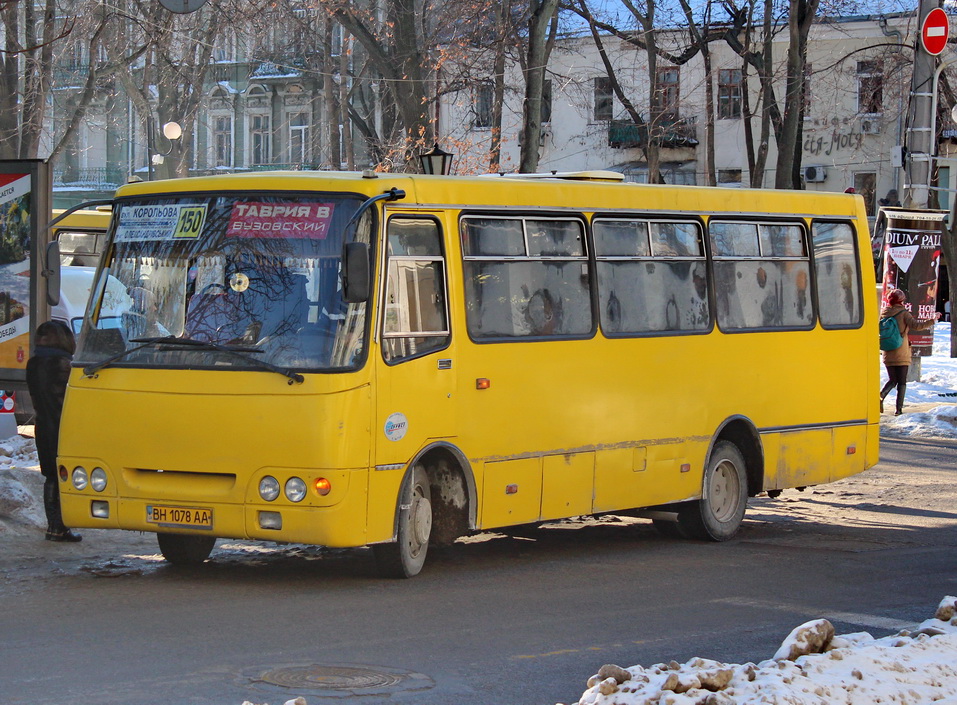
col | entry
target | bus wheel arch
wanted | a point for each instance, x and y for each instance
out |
(436, 505)
(743, 434)
(453, 492)
(733, 472)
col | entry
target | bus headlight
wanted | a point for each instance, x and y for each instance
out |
(98, 479)
(295, 489)
(269, 488)
(80, 478)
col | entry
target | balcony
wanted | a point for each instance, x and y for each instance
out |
(624, 134)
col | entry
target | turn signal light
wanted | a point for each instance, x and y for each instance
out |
(323, 486)
(63, 473)
(483, 383)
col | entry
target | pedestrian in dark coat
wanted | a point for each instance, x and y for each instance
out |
(897, 362)
(48, 371)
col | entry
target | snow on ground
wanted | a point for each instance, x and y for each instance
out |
(812, 667)
(932, 401)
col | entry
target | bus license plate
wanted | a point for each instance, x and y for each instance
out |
(192, 517)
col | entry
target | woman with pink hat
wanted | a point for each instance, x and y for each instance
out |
(897, 361)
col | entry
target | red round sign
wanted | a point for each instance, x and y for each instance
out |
(934, 31)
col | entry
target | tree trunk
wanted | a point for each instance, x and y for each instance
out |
(498, 100)
(789, 157)
(542, 13)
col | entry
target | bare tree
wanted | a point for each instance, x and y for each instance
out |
(35, 37)
(542, 25)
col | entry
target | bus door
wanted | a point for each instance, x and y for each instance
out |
(415, 379)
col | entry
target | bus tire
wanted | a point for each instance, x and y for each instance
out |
(182, 549)
(717, 516)
(405, 557)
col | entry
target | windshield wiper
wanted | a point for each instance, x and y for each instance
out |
(241, 352)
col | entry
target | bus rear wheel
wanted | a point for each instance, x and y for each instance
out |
(405, 557)
(181, 549)
(717, 516)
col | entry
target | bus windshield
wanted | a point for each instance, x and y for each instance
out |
(254, 272)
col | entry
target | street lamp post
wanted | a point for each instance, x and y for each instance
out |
(171, 131)
(436, 161)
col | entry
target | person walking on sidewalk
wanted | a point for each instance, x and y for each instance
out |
(48, 371)
(897, 362)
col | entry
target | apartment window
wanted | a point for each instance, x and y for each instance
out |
(604, 99)
(337, 39)
(225, 48)
(260, 139)
(665, 99)
(299, 138)
(729, 177)
(223, 141)
(870, 87)
(729, 94)
(484, 98)
(865, 184)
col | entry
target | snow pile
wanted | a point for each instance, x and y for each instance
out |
(938, 422)
(21, 486)
(812, 667)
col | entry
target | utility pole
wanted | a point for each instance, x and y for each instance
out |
(920, 144)
(920, 141)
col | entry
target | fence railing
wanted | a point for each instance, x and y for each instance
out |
(89, 177)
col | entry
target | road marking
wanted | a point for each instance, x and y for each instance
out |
(866, 620)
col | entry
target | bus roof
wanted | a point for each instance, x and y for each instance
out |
(87, 219)
(529, 191)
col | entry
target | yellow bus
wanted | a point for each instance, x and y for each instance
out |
(81, 238)
(350, 359)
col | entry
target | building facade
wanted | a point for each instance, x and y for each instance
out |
(858, 85)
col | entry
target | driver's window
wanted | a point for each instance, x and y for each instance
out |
(415, 312)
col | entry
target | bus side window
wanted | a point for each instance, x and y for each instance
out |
(761, 275)
(415, 311)
(652, 276)
(837, 279)
(526, 277)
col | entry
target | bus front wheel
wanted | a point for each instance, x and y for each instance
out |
(405, 557)
(717, 516)
(181, 549)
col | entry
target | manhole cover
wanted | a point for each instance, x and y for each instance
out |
(339, 679)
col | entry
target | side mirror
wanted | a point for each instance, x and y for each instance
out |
(356, 273)
(51, 272)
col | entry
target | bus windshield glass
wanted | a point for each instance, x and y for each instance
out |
(252, 272)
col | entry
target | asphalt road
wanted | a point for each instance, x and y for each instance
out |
(521, 620)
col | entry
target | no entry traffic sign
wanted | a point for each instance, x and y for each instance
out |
(934, 31)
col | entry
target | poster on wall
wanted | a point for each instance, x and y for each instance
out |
(16, 205)
(911, 252)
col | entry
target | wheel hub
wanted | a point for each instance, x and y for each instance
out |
(421, 520)
(724, 494)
